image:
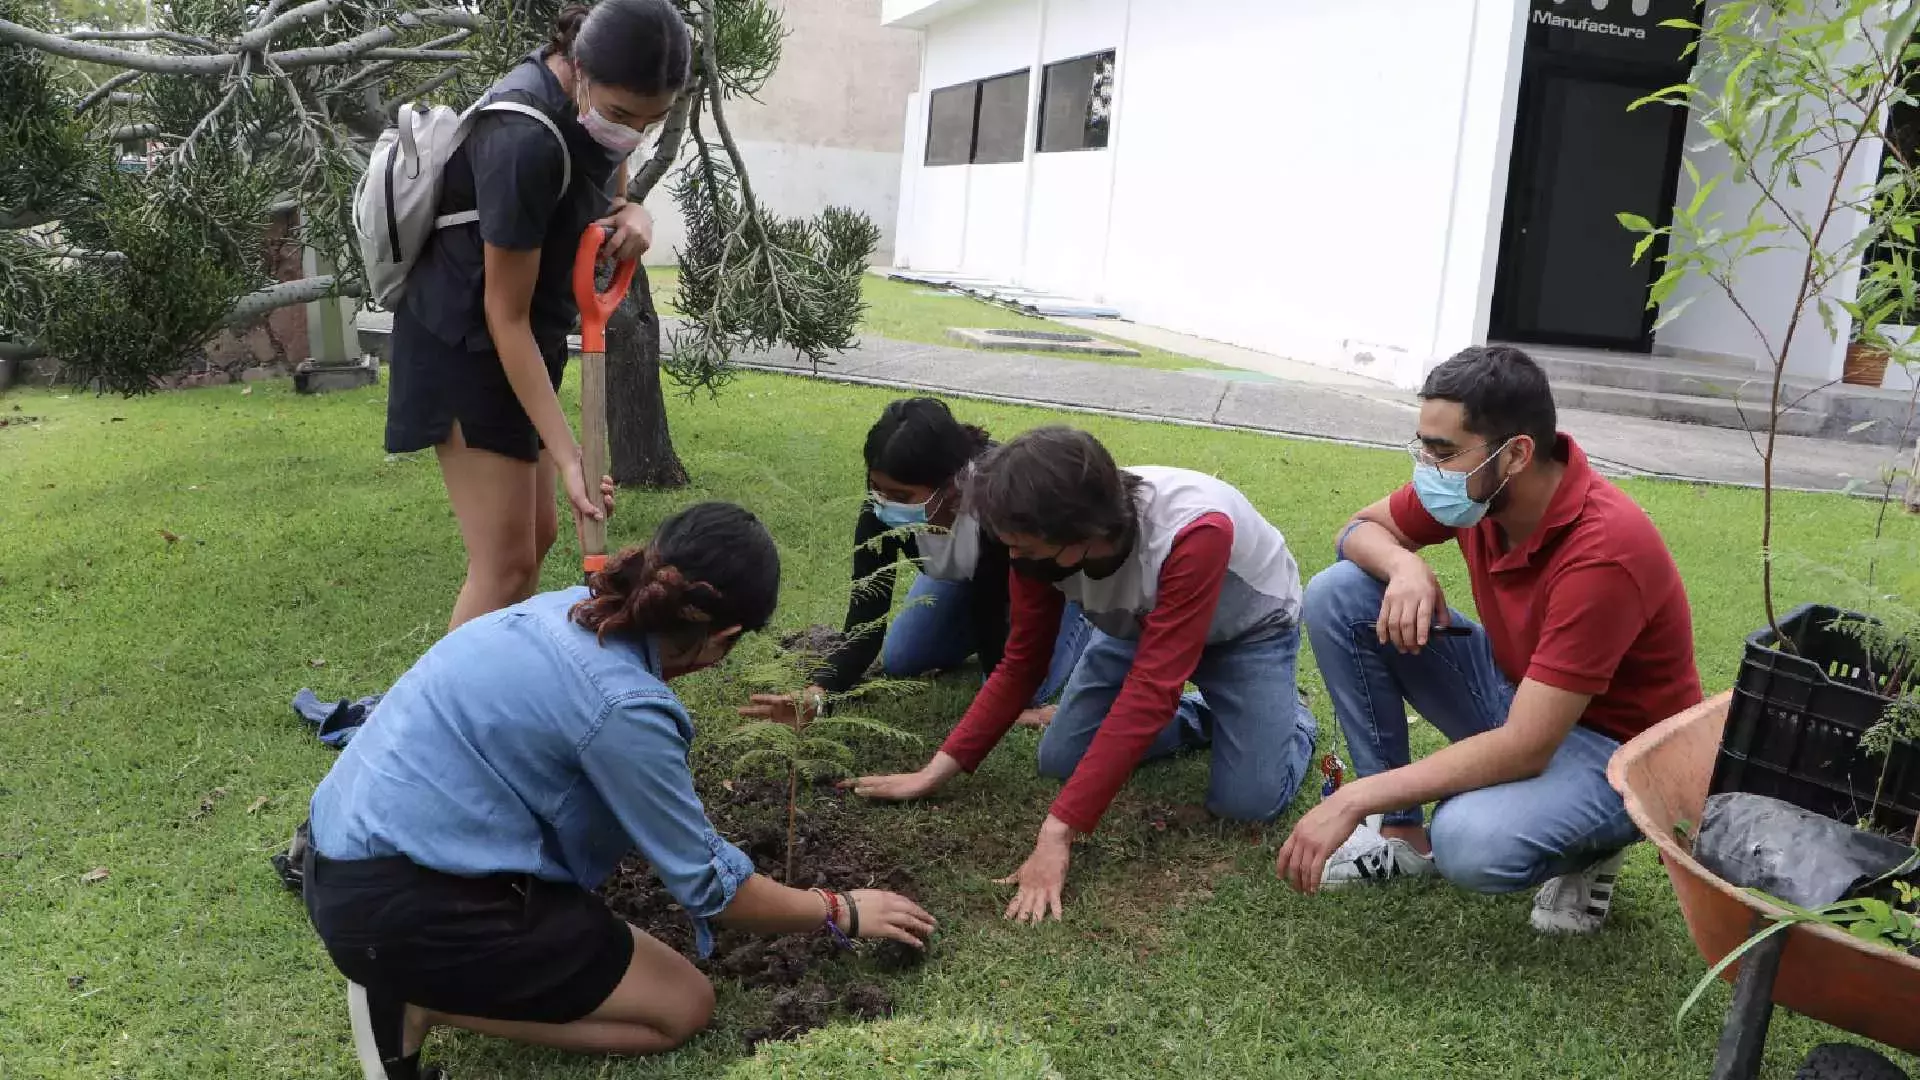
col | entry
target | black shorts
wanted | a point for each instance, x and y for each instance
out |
(506, 947)
(431, 384)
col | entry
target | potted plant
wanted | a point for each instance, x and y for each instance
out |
(1866, 363)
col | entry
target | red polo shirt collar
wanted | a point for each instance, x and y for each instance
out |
(1568, 500)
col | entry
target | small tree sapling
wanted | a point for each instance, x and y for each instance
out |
(817, 744)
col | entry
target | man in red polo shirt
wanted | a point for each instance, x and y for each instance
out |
(1585, 640)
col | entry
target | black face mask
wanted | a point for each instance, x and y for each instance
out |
(1043, 570)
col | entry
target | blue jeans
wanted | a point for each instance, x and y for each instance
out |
(1248, 710)
(935, 633)
(1497, 839)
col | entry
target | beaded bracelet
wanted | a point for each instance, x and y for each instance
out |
(832, 921)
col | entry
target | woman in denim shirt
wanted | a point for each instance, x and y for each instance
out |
(456, 841)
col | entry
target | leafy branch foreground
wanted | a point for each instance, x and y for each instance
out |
(143, 170)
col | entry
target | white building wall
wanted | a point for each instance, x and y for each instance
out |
(826, 130)
(1768, 283)
(1318, 180)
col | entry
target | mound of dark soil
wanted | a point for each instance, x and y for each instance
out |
(830, 851)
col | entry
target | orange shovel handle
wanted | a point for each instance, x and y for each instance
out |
(597, 307)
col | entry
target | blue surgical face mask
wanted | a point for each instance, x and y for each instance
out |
(1444, 492)
(897, 515)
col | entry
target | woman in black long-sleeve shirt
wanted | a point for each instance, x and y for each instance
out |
(958, 604)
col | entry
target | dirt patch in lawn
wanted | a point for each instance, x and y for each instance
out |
(812, 979)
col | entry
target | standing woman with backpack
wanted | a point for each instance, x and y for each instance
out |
(480, 337)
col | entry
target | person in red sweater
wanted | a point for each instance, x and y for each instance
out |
(1183, 581)
(1585, 639)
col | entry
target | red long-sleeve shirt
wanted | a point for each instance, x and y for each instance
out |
(1172, 637)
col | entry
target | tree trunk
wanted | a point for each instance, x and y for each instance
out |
(643, 453)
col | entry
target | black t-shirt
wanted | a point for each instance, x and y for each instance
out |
(510, 169)
(876, 550)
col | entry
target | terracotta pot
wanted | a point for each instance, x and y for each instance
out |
(1866, 989)
(1866, 366)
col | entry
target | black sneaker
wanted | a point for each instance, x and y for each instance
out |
(379, 1027)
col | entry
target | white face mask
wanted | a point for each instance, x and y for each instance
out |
(618, 138)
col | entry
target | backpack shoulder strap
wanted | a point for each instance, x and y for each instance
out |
(566, 155)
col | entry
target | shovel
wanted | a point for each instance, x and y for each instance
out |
(596, 308)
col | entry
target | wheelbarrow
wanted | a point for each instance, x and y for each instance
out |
(1817, 971)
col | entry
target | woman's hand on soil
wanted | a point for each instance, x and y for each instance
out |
(1042, 877)
(783, 709)
(900, 786)
(631, 232)
(890, 915)
(897, 787)
(1039, 717)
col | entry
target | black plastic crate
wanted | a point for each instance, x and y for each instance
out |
(1794, 727)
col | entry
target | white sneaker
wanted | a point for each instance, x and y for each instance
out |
(1368, 856)
(1578, 903)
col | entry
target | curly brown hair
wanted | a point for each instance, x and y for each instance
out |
(707, 568)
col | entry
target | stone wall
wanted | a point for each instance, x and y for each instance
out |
(278, 340)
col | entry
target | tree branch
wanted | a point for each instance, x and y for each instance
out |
(447, 75)
(261, 36)
(105, 91)
(445, 56)
(367, 45)
(144, 35)
(286, 294)
(112, 57)
(373, 73)
(710, 62)
(245, 310)
(667, 150)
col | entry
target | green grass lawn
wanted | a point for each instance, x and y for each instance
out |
(172, 570)
(904, 311)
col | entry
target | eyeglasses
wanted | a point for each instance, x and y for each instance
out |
(1418, 451)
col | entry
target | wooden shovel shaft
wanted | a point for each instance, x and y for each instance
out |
(593, 452)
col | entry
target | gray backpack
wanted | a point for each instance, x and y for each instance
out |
(395, 208)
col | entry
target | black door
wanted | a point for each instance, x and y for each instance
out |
(1580, 158)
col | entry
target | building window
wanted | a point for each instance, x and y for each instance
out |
(1076, 104)
(978, 123)
(1000, 134)
(950, 124)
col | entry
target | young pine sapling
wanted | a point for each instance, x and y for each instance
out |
(818, 743)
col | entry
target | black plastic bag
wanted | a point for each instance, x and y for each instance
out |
(1758, 842)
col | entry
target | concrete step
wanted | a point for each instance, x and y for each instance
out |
(1707, 411)
(1659, 374)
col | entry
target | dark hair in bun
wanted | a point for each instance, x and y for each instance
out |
(917, 441)
(707, 568)
(638, 45)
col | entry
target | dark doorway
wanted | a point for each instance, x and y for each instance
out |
(1566, 274)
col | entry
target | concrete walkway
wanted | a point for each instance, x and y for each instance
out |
(1340, 409)
(1308, 402)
